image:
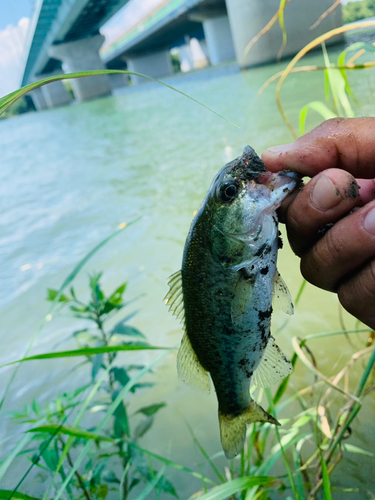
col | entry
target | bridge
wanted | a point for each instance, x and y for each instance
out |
(64, 36)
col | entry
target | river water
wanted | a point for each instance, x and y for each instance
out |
(70, 176)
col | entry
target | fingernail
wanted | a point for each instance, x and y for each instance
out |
(370, 221)
(325, 194)
(280, 149)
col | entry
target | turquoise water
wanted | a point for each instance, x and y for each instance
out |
(70, 176)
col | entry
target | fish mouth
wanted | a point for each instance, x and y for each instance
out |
(251, 234)
(275, 187)
(275, 181)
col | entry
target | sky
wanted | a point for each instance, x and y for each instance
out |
(12, 39)
(11, 11)
(14, 21)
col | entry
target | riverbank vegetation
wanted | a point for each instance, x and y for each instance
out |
(85, 444)
(355, 11)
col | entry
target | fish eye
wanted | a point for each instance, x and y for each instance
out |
(228, 191)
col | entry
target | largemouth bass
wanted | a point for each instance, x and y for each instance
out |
(224, 290)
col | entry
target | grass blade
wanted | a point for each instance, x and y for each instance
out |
(88, 351)
(317, 106)
(333, 334)
(317, 41)
(170, 463)
(263, 31)
(205, 454)
(355, 449)
(70, 431)
(225, 490)
(11, 456)
(315, 371)
(11, 98)
(300, 292)
(361, 48)
(326, 482)
(288, 469)
(338, 86)
(299, 478)
(287, 441)
(356, 407)
(325, 14)
(282, 27)
(15, 495)
(152, 484)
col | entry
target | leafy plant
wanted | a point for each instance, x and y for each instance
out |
(113, 464)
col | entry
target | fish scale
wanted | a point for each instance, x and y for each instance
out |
(224, 292)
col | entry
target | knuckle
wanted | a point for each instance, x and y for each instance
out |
(357, 295)
(333, 121)
(332, 247)
(319, 265)
(328, 125)
(298, 227)
(312, 268)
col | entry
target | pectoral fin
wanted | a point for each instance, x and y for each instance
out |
(242, 298)
(189, 368)
(281, 295)
(273, 367)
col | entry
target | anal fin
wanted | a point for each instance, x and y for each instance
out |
(273, 367)
(233, 427)
(189, 368)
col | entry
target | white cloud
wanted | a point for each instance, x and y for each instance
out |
(133, 12)
(12, 41)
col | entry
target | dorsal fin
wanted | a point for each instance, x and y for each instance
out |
(174, 297)
(273, 367)
(189, 368)
(281, 295)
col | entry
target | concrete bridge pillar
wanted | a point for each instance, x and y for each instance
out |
(38, 99)
(193, 54)
(219, 39)
(55, 93)
(248, 18)
(185, 55)
(156, 65)
(83, 55)
(118, 80)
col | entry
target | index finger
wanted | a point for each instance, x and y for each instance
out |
(346, 143)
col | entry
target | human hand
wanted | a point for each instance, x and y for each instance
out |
(339, 155)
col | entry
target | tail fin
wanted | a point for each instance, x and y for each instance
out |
(233, 427)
